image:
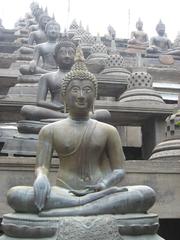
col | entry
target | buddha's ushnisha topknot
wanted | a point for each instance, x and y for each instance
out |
(78, 71)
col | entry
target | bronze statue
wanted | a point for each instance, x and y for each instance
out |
(39, 36)
(91, 158)
(51, 82)
(139, 37)
(159, 43)
(45, 51)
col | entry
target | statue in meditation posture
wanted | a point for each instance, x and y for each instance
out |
(91, 159)
(139, 37)
(44, 51)
(64, 52)
(160, 43)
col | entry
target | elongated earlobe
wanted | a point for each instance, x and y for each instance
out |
(92, 109)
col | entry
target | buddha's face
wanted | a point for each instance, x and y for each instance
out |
(44, 21)
(161, 30)
(53, 31)
(80, 96)
(139, 26)
(65, 57)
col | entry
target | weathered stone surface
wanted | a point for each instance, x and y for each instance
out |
(103, 227)
(8, 78)
(139, 88)
(6, 59)
(111, 85)
(9, 47)
(7, 35)
(169, 149)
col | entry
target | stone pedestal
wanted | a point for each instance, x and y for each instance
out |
(102, 227)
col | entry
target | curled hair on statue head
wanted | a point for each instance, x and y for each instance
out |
(64, 42)
(78, 71)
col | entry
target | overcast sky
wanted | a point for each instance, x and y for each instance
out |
(98, 14)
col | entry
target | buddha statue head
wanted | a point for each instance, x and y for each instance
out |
(79, 87)
(34, 5)
(64, 53)
(43, 20)
(139, 25)
(160, 28)
(52, 30)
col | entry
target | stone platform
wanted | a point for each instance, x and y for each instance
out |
(101, 227)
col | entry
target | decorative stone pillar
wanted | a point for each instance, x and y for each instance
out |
(140, 89)
(73, 28)
(86, 43)
(169, 149)
(96, 60)
(114, 63)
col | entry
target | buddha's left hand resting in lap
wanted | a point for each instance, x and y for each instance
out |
(91, 159)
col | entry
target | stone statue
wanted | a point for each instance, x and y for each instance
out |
(51, 82)
(44, 51)
(139, 37)
(91, 161)
(112, 32)
(176, 47)
(36, 13)
(39, 36)
(160, 43)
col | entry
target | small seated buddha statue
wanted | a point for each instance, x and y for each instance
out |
(139, 37)
(160, 43)
(91, 158)
(44, 51)
(64, 52)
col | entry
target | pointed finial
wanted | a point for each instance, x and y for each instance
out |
(79, 56)
(139, 20)
(79, 61)
(160, 24)
(46, 10)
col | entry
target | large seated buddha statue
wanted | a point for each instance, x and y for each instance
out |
(91, 160)
(139, 38)
(44, 51)
(160, 43)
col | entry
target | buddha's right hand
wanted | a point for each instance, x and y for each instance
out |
(42, 190)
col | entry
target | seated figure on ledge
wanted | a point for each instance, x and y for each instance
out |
(51, 83)
(160, 43)
(139, 37)
(91, 158)
(36, 37)
(39, 36)
(44, 51)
